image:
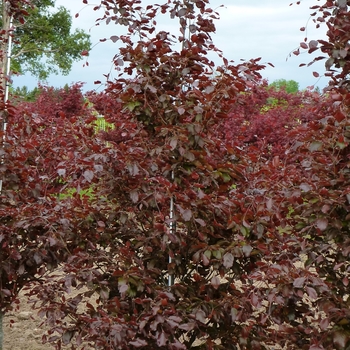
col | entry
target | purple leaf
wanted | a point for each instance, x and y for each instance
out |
(187, 214)
(134, 196)
(133, 169)
(61, 172)
(122, 287)
(315, 146)
(205, 260)
(187, 326)
(181, 110)
(66, 337)
(305, 187)
(313, 44)
(200, 316)
(138, 343)
(324, 323)
(6, 292)
(340, 339)
(228, 260)
(215, 282)
(200, 222)
(161, 341)
(299, 282)
(247, 249)
(114, 38)
(88, 175)
(311, 293)
(322, 223)
(104, 293)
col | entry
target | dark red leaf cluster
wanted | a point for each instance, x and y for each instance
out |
(42, 155)
(264, 117)
(65, 102)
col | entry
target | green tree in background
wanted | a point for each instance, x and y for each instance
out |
(44, 42)
(24, 94)
(291, 86)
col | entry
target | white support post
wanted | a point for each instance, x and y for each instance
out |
(7, 88)
(171, 278)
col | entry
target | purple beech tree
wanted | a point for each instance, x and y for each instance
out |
(164, 126)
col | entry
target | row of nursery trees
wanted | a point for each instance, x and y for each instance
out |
(254, 254)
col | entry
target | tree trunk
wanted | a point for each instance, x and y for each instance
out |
(5, 43)
(4, 50)
(4, 46)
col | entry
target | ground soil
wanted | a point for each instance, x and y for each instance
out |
(22, 330)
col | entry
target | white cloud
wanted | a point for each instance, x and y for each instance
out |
(267, 29)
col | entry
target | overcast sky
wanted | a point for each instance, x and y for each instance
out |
(247, 29)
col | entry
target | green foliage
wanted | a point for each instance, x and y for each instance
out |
(273, 102)
(45, 44)
(71, 192)
(24, 94)
(102, 125)
(290, 86)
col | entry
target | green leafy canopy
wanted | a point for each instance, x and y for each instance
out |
(45, 43)
(291, 86)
